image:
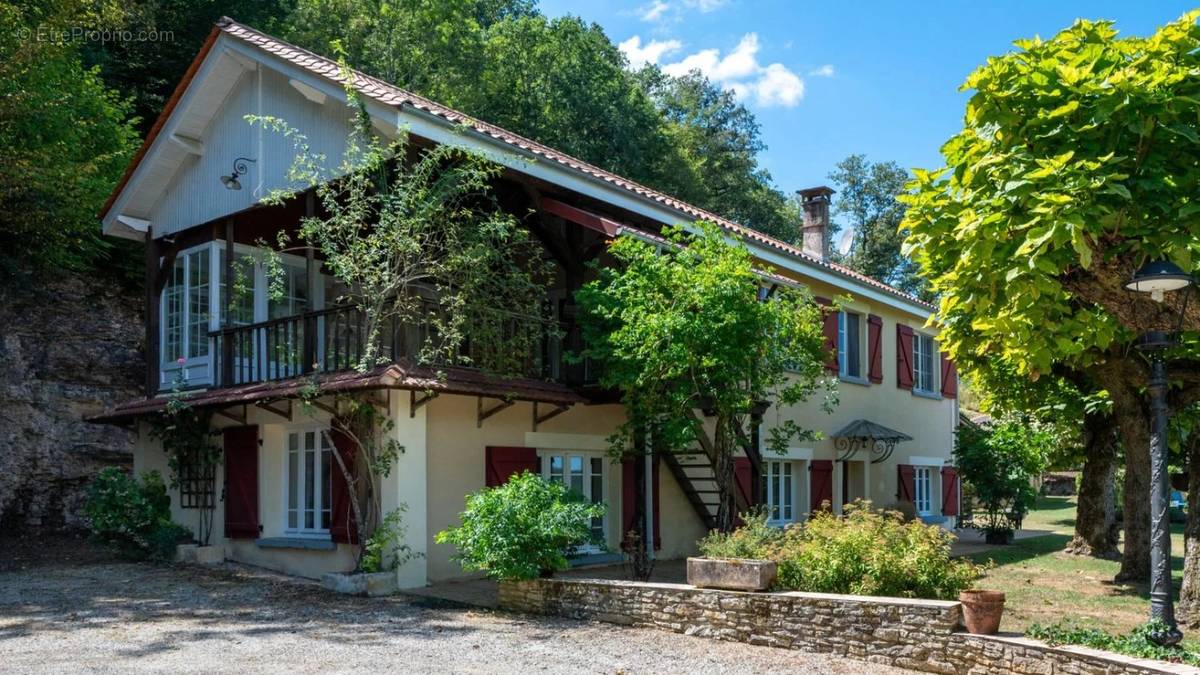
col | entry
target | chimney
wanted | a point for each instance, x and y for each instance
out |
(815, 231)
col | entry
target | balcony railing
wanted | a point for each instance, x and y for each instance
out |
(335, 340)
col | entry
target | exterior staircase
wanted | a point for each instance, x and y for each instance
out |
(695, 475)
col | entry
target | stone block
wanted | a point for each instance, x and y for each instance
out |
(736, 575)
(369, 585)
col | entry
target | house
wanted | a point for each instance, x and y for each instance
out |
(192, 196)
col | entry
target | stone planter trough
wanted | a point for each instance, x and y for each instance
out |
(199, 555)
(731, 574)
(358, 583)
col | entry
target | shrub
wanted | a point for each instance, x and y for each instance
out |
(869, 552)
(754, 539)
(384, 549)
(1000, 463)
(133, 517)
(1137, 643)
(522, 529)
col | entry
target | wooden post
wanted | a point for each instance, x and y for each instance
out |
(227, 302)
(311, 325)
(152, 346)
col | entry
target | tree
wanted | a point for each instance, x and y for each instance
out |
(64, 140)
(684, 326)
(1000, 463)
(1073, 168)
(867, 195)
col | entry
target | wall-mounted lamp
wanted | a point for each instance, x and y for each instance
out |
(239, 169)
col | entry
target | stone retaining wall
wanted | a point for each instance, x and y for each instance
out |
(918, 634)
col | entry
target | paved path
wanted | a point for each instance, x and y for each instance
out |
(104, 616)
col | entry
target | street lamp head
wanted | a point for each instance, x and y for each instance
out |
(1158, 277)
(1155, 342)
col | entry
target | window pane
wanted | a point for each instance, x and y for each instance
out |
(173, 318)
(309, 470)
(293, 478)
(853, 346)
(241, 297)
(556, 468)
(787, 491)
(326, 484)
(577, 475)
(198, 303)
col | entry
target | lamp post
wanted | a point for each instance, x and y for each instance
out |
(1158, 278)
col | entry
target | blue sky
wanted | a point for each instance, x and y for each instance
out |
(830, 79)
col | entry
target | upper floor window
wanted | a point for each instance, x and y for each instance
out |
(186, 307)
(924, 364)
(850, 346)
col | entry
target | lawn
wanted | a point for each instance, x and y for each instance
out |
(1044, 585)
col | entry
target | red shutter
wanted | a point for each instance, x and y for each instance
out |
(904, 355)
(629, 500)
(503, 463)
(949, 378)
(875, 349)
(949, 491)
(241, 482)
(904, 483)
(342, 527)
(829, 327)
(820, 484)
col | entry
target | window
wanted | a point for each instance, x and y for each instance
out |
(923, 490)
(195, 483)
(186, 307)
(242, 301)
(289, 294)
(850, 345)
(778, 491)
(924, 369)
(309, 482)
(583, 474)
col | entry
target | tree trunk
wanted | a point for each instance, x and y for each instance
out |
(1135, 440)
(1189, 594)
(722, 461)
(1096, 530)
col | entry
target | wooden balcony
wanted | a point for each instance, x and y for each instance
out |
(335, 340)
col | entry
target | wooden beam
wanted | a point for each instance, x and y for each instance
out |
(415, 403)
(316, 403)
(539, 419)
(191, 146)
(224, 412)
(285, 413)
(482, 414)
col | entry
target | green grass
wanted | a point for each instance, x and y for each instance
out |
(1044, 585)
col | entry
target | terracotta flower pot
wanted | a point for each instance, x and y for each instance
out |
(982, 611)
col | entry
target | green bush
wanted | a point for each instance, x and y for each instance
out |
(133, 517)
(385, 549)
(754, 539)
(1000, 463)
(1137, 643)
(522, 529)
(864, 552)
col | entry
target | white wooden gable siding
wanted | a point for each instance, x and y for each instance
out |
(196, 195)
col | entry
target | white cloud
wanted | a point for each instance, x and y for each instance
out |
(824, 71)
(705, 6)
(651, 53)
(654, 11)
(739, 71)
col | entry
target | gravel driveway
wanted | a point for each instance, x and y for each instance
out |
(80, 612)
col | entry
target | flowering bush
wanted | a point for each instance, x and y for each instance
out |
(754, 539)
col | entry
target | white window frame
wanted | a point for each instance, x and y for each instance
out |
(929, 384)
(844, 348)
(321, 435)
(170, 370)
(776, 473)
(923, 490)
(586, 456)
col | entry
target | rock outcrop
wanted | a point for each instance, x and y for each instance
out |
(69, 347)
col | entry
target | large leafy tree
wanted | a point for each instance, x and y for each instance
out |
(64, 139)
(1075, 165)
(867, 198)
(684, 327)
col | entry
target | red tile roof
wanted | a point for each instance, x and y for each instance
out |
(392, 95)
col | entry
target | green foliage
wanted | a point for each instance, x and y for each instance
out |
(385, 549)
(1074, 166)
(682, 325)
(418, 240)
(867, 196)
(754, 539)
(131, 516)
(187, 438)
(522, 529)
(1000, 463)
(1137, 643)
(863, 552)
(64, 140)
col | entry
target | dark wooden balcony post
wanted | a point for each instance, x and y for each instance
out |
(152, 346)
(226, 344)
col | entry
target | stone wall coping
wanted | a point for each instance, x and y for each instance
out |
(1152, 665)
(829, 597)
